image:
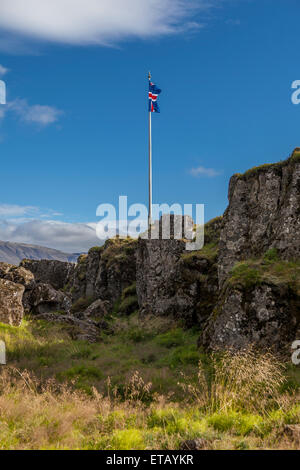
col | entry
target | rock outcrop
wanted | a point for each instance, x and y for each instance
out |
(264, 315)
(105, 271)
(44, 299)
(11, 307)
(55, 273)
(173, 281)
(20, 275)
(263, 213)
(259, 299)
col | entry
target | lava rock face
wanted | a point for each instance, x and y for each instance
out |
(266, 316)
(105, 271)
(55, 273)
(44, 299)
(11, 306)
(263, 213)
(20, 275)
(173, 281)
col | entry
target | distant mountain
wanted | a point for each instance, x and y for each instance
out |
(13, 253)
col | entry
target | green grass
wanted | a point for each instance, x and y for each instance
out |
(96, 249)
(46, 350)
(270, 269)
(139, 388)
(294, 158)
(209, 252)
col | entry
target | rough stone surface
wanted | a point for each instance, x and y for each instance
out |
(20, 275)
(105, 271)
(5, 268)
(263, 212)
(170, 284)
(265, 315)
(44, 299)
(11, 307)
(55, 273)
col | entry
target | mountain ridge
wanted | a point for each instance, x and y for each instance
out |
(14, 253)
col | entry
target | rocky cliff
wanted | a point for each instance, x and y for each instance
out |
(263, 213)
(259, 260)
(105, 271)
(173, 281)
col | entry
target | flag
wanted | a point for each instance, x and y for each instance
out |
(153, 95)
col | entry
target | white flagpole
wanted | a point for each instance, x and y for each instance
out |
(150, 167)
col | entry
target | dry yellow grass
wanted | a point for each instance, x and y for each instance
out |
(238, 401)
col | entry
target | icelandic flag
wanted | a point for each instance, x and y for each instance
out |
(153, 95)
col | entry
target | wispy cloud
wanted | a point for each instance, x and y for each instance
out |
(206, 172)
(14, 211)
(98, 22)
(40, 115)
(11, 210)
(36, 114)
(3, 70)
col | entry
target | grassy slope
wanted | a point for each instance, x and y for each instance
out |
(234, 403)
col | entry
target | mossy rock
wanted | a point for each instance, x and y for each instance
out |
(96, 249)
(276, 167)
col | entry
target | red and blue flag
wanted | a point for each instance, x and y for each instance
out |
(153, 96)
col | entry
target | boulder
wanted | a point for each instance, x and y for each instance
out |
(264, 315)
(11, 307)
(97, 309)
(55, 273)
(5, 268)
(44, 299)
(20, 275)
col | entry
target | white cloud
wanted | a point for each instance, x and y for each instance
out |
(37, 226)
(11, 210)
(3, 70)
(207, 172)
(68, 237)
(32, 225)
(36, 114)
(97, 22)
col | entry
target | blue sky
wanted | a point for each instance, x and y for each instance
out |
(74, 132)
